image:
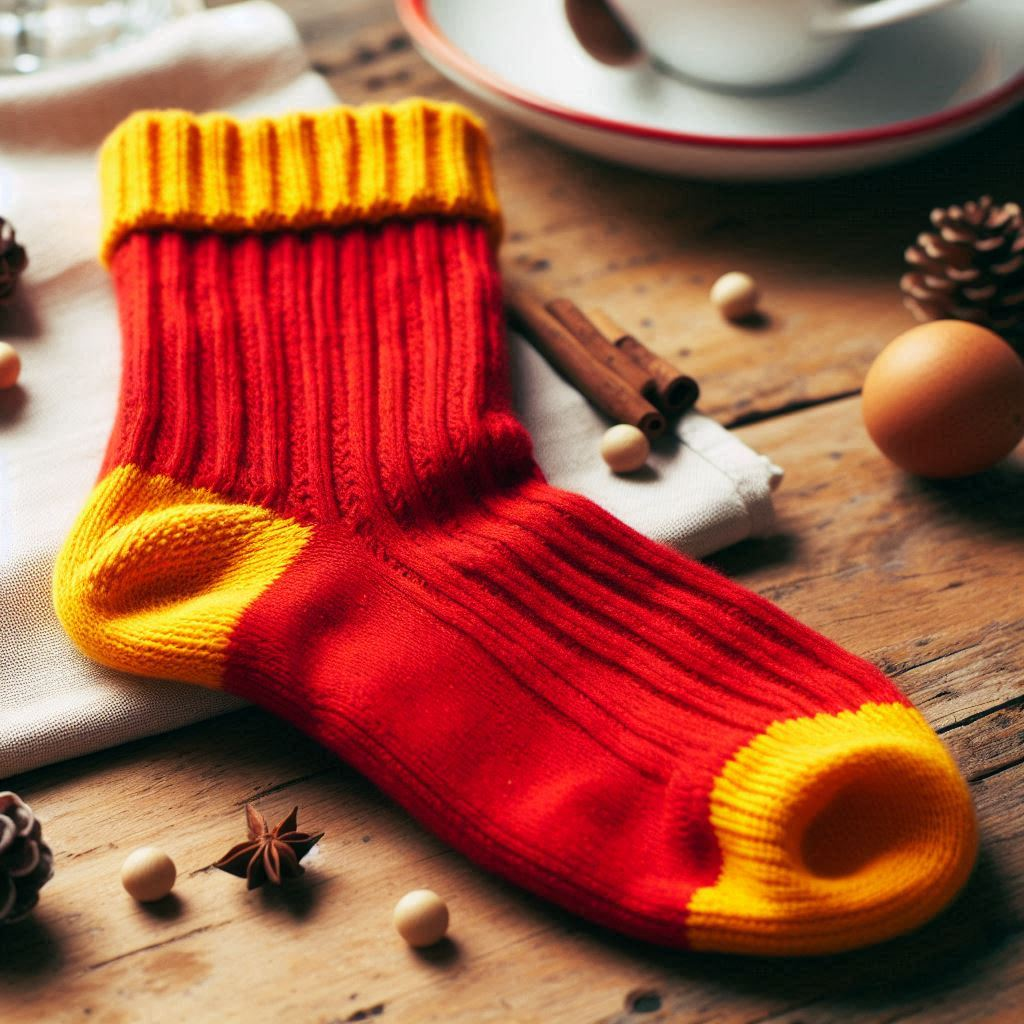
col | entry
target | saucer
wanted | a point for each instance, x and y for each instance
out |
(905, 90)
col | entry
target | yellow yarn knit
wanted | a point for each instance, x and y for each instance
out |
(173, 169)
(836, 831)
(155, 574)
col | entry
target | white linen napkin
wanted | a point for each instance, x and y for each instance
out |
(704, 490)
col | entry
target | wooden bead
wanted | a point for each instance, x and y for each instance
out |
(10, 366)
(421, 918)
(625, 448)
(148, 874)
(736, 295)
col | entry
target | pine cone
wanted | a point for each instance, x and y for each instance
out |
(26, 862)
(13, 260)
(970, 268)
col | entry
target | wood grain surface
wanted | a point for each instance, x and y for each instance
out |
(925, 579)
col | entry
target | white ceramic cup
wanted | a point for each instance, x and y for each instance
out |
(756, 44)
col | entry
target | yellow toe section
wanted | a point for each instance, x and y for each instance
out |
(155, 574)
(836, 831)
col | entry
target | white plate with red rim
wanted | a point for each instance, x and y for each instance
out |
(905, 90)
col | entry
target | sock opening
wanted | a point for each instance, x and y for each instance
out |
(878, 816)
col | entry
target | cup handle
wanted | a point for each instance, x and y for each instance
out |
(600, 32)
(837, 18)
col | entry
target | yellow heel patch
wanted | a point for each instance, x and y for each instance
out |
(155, 574)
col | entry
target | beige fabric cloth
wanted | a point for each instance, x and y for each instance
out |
(55, 704)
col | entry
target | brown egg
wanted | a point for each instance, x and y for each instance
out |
(945, 399)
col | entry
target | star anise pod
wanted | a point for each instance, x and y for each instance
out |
(269, 854)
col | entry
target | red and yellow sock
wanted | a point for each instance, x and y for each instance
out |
(316, 495)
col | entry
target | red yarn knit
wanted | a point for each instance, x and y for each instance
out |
(542, 687)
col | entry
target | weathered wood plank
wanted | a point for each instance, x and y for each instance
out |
(924, 578)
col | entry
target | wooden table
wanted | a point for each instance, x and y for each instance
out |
(925, 579)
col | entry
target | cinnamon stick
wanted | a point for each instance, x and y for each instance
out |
(573, 319)
(593, 378)
(675, 391)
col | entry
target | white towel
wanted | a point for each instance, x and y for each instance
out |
(702, 493)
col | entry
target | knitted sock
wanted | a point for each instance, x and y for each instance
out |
(316, 496)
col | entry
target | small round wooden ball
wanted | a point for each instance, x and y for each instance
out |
(421, 918)
(10, 366)
(735, 295)
(625, 448)
(148, 874)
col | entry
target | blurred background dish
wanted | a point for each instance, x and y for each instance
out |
(905, 90)
(38, 34)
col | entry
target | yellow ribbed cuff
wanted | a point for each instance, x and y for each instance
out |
(173, 169)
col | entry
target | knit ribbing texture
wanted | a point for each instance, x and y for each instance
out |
(334, 167)
(316, 495)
